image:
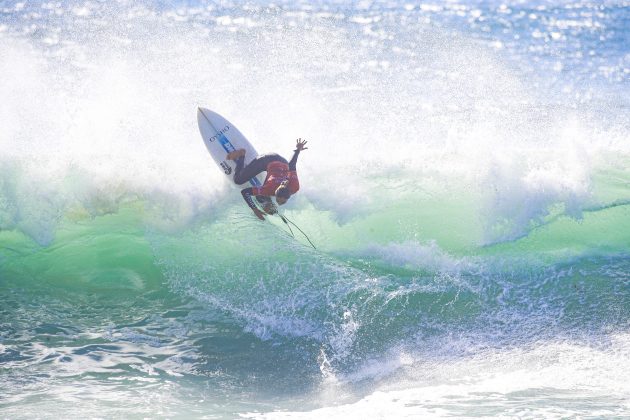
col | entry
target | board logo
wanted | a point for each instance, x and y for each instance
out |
(226, 168)
(219, 133)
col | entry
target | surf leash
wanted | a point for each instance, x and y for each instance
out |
(284, 219)
(287, 221)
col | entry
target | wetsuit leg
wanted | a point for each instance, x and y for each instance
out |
(256, 166)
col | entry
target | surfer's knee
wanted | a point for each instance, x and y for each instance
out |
(239, 180)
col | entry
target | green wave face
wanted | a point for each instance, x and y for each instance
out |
(406, 270)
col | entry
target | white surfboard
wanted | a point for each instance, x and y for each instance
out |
(221, 137)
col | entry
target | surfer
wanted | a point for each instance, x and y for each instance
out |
(281, 180)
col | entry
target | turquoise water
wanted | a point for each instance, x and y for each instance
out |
(467, 186)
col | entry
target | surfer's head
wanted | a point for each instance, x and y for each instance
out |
(282, 194)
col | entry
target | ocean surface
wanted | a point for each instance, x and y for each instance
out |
(467, 186)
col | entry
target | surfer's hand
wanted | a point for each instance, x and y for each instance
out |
(301, 144)
(259, 214)
(270, 208)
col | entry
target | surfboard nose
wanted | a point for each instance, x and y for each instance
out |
(204, 114)
(200, 114)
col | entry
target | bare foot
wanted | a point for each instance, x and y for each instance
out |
(235, 154)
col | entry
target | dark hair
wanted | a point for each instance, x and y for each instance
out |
(283, 192)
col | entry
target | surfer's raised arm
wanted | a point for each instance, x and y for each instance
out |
(300, 145)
